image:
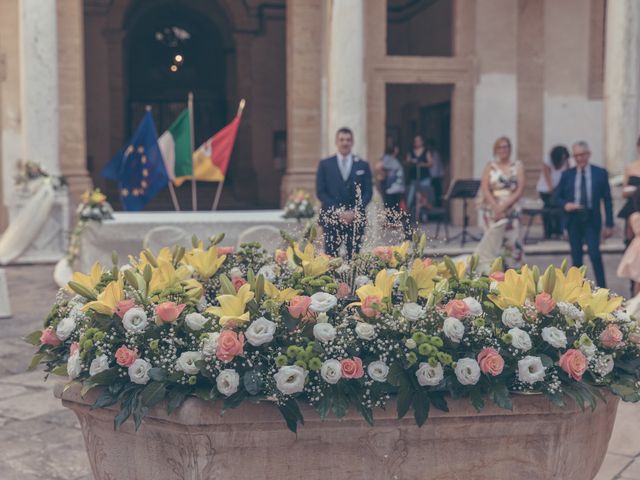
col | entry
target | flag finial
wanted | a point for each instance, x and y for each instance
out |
(241, 107)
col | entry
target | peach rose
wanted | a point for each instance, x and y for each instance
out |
(368, 303)
(299, 306)
(611, 337)
(544, 303)
(74, 347)
(230, 345)
(125, 356)
(281, 256)
(457, 308)
(427, 262)
(574, 363)
(226, 250)
(124, 306)
(238, 282)
(343, 290)
(352, 368)
(169, 311)
(634, 338)
(383, 253)
(490, 361)
(49, 337)
(497, 276)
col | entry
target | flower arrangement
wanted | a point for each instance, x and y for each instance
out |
(93, 207)
(27, 171)
(299, 205)
(233, 326)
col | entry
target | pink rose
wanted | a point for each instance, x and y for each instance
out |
(490, 361)
(343, 290)
(230, 345)
(49, 337)
(226, 250)
(611, 337)
(125, 356)
(457, 309)
(427, 262)
(634, 338)
(544, 303)
(497, 276)
(574, 363)
(299, 306)
(169, 311)
(383, 253)
(368, 305)
(124, 306)
(281, 256)
(74, 347)
(352, 368)
(238, 282)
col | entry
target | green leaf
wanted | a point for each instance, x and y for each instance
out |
(226, 286)
(105, 399)
(252, 382)
(412, 289)
(477, 400)
(175, 398)
(499, 393)
(153, 393)
(157, 374)
(82, 290)
(340, 403)
(291, 413)
(405, 398)
(438, 401)
(105, 377)
(33, 338)
(60, 370)
(421, 406)
(396, 371)
(126, 408)
(35, 361)
(259, 288)
(150, 257)
(325, 404)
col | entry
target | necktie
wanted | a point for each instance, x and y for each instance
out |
(345, 172)
(583, 190)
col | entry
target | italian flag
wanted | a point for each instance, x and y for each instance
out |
(175, 146)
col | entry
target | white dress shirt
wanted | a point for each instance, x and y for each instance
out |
(345, 164)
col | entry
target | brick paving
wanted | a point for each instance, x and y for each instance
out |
(39, 439)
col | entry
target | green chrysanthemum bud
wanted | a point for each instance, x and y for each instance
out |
(99, 336)
(479, 322)
(314, 364)
(301, 364)
(153, 344)
(292, 351)
(436, 342)
(425, 349)
(419, 337)
(303, 355)
(433, 361)
(412, 358)
(444, 358)
(193, 380)
(282, 360)
(506, 338)
(87, 345)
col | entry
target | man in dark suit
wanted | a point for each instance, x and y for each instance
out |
(344, 187)
(580, 193)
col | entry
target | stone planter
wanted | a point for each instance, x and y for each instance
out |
(534, 441)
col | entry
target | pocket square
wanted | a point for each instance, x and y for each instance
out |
(359, 172)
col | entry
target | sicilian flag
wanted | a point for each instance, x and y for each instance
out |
(211, 160)
(176, 148)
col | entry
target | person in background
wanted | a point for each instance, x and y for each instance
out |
(502, 185)
(629, 266)
(418, 165)
(436, 171)
(552, 169)
(630, 186)
(390, 176)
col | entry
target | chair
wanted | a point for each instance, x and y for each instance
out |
(5, 306)
(438, 214)
(268, 236)
(166, 236)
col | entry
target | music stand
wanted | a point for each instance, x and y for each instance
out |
(464, 189)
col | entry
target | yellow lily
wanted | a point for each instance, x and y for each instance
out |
(140, 262)
(206, 263)
(513, 291)
(107, 299)
(570, 287)
(401, 250)
(232, 309)
(599, 305)
(424, 277)
(461, 269)
(88, 281)
(381, 287)
(193, 289)
(313, 265)
(279, 295)
(166, 276)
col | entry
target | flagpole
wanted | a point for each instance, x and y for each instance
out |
(194, 191)
(174, 199)
(221, 184)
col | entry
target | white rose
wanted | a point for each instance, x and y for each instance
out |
(512, 317)
(378, 371)
(322, 302)
(428, 375)
(606, 365)
(99, 364)
(571, 311)
(227, 382)
(235, 272)
(530, 370)
(331, 371)
(410, 343)
(325, 332)
(520, 339)
(475, 308)
(290, 379)
(453, 329)
(139, 371)
(554, 337)
(187, 362)
(412, 311)
(135, 320)
(202, 304)
(588, 348)
(209, 343)
(268, 272)
(260, 331)
(65, 328)
(361, 280)
(74, 365)
(467, 371)
(195, 321)
(365, 331)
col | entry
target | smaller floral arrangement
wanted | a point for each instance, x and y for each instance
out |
(299, 205)
(94, 206)
(27, 171)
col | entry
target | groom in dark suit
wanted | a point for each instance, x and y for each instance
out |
(344, 187)
(580, 193)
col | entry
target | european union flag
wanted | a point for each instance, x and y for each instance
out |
(138, 167)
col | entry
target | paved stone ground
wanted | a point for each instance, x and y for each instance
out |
(41, 440)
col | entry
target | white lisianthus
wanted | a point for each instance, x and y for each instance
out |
(410, 343)
(322, 302)
(187, 362)
(235, 272)
(65, 328)
(268, 272)
(530, 370)
(325, 332)
(331, 371)
(520, 339)
(378, 371)
(139, 371)
(622, 316)
(428, 375)
(135, 320)
(290, 379)
(453, 329)
(74, 365)
(99, 364)
(209, 343)
(554, 337)
(605, 365)
(195, 321)
(475, 309)
(202, 304)
(365, 331)
(572, 312)
(587, 347)
(512, 317)
(361, 280)
(227, 382)
(467, 371)
(260, 331)
(412, 311)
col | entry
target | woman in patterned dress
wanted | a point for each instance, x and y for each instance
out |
(501, 187)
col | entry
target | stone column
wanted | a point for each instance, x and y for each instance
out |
(3, 212)
(621, 83)
(347, 87)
